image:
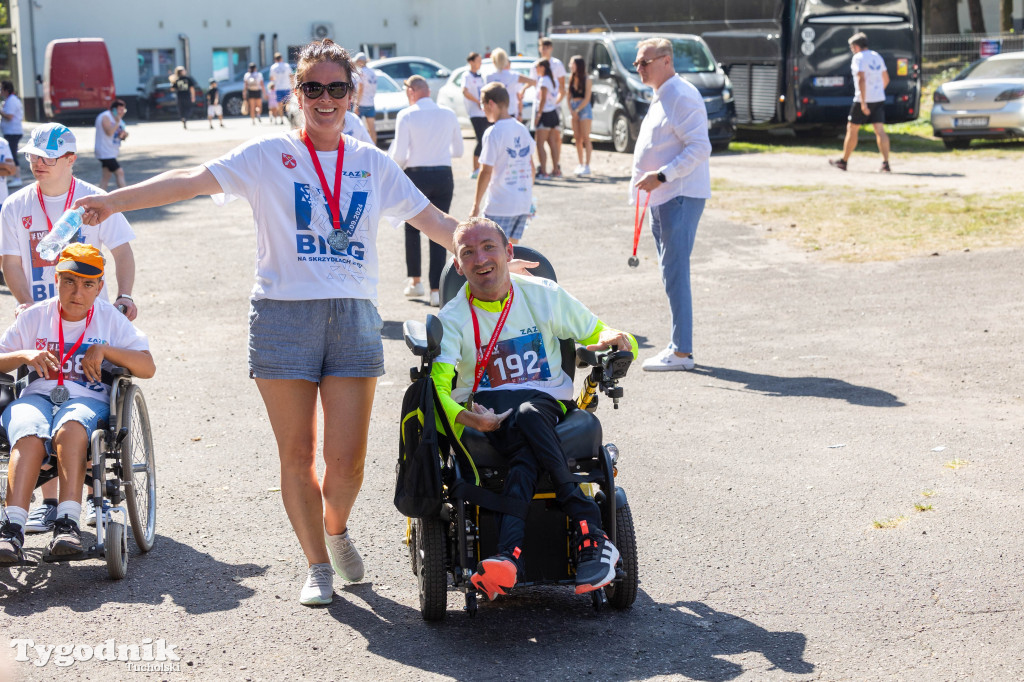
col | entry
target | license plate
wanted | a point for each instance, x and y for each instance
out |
(69, 102)
(973, 122)
(828, 81)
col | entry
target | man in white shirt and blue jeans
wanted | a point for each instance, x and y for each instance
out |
(670, 162)
(870, 79)
(426, 138)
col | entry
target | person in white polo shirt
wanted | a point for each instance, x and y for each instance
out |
(870, 79)
(426, 138)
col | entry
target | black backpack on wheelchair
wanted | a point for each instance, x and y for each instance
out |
(452, 536)
(122, 473)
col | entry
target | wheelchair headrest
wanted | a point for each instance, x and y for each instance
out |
(452, 281)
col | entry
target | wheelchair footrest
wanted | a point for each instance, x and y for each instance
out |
(93, 552)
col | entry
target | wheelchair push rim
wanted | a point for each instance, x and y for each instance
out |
(139, 467)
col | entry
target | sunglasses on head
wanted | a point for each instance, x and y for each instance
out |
(314, 90)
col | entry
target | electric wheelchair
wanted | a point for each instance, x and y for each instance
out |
(122, 470)
(445, 548)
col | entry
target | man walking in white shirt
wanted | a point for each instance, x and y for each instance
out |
(670, 164)
(426, 138)
(870, 79)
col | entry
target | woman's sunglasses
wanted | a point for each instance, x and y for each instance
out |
(314, 90)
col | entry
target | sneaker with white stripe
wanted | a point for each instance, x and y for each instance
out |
(596, 560)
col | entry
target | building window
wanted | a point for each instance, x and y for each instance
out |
(379, 51)
(229, 63)
(157, 63)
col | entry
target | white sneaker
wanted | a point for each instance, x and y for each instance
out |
(319, 587)
(344, 556)
(435, 299)
(413, 290)
(578, 170)
(585, 171)
(667, 361)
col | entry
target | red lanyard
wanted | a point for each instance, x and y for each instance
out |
(333, 199)
(638, 219)
(60, 337)
(67, 204)
(482, 360)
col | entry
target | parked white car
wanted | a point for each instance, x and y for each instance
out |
(985, 101)
(450, 94)
(400, 68)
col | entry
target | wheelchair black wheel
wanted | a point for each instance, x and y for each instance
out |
(139, 466)
(433, 581)
(115, 547)
(622, 594)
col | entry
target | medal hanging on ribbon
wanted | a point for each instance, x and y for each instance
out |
(338, 238)
(638, 223)
(482, 360)
(60, 394)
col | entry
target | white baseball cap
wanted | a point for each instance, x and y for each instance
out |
(52, 140)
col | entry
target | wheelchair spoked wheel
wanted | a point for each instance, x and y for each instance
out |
(115, 548)
(429, 540)
(139, 466)
(622, 594)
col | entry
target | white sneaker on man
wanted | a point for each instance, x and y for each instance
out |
(667, 361)
(435, 299)
(344, 556)
(319, 587)
(413, 290)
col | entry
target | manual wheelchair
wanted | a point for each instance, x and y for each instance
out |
(444, 549)
(123, 469)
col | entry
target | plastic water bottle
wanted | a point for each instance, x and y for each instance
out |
(67, 226)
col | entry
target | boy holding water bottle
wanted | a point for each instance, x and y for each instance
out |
(27, 216)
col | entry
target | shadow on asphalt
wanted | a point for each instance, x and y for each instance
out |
(816, 387)
(193, 580)
(507, 638)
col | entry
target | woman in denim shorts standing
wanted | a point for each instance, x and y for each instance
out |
(582, 115)
(314, 330)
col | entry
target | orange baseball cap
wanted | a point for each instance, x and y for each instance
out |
(84, 260)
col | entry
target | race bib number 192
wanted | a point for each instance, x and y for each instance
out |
(517, 361)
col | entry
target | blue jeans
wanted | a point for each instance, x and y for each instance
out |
(674, 225)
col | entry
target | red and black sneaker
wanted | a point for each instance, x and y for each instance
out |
(838, 163)
(595, 560)
(496, 575)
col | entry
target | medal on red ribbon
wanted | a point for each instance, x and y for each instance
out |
(60, 393)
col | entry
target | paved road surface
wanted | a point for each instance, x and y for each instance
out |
(826, 397)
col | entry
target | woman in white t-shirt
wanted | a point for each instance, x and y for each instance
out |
(545, 117)
(314, 328)
(514, 82)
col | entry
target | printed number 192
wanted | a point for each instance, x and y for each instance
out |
(512, 366)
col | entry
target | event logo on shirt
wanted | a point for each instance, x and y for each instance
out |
(313, 222)
(356, 174)
(40, 344)
(288, 160)
(26, 222)
(518, 151)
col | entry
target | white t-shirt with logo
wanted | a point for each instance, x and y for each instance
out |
(368, 79)
(873, 66)
(293, 259)
(354, 127)
(508, 78)
(36, 328)
(508, 147)
(281, 76)
(527, 354)
(24, 225)
(551, 97)
(108, 146)
(253, 82)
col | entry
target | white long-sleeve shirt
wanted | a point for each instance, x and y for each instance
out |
(673, 138)
(426, 135)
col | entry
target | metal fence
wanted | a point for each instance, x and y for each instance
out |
(955, 51)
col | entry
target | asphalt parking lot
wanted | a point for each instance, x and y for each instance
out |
(775, 489)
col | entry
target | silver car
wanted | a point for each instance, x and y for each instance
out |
(450, 94)
(986, 101)
(401, 68)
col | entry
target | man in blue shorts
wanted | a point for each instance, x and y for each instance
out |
(282, 83)
(516, 392)
(66, 341)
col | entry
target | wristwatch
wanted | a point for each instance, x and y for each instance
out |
(661, 177)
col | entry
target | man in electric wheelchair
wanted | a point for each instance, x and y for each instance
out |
(501, 339)
(66, 341)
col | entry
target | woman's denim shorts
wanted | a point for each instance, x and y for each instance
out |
(329, 337)
(586, 112)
